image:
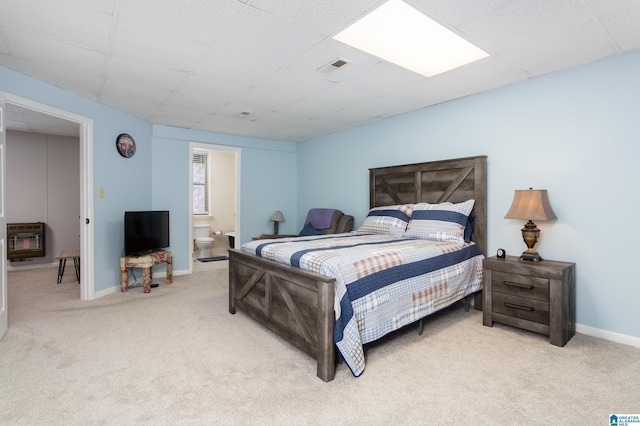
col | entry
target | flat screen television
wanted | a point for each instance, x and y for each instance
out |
(145, 231)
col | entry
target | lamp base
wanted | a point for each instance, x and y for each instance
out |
(532, 256)
(530, 235)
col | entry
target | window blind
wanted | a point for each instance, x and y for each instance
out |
(200, 183)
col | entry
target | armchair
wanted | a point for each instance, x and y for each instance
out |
(327, 221)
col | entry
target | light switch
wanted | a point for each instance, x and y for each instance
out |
(101, 192)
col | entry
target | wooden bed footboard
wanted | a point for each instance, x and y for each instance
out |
(295, 304)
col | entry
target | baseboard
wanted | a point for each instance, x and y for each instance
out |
(609, 335)
(12, 267)
(106, 291)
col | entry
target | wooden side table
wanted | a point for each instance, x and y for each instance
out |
(535, 296)
(145, 262)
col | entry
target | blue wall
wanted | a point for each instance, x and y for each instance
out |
(575, 133)
(268, 183)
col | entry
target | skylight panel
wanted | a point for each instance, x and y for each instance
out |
(399, 33)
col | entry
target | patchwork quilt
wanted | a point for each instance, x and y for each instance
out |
(382, 283)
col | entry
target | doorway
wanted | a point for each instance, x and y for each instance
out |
(50, 117)
(224, 198)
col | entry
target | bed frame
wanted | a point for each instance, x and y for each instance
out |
(297, 305)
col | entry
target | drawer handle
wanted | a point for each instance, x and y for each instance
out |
(524, 308)
(527, 286)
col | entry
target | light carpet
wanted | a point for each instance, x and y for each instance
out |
(177, 357)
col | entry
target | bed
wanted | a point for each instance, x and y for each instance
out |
(300, 305)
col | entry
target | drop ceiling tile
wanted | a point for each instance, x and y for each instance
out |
(144, 73)
(602, 8)
(621, 23)
(212, 88)
(241, 67)
(260, 35)
(136, 92)
(195, 102)
(325, 17)
(536, 25)
(186, 115)
(67, 78)
(293, 85)
(152, 45)
(81, 27)
(46, 51)
(4, 50)
(199, 20)
(279, 119)
(102, 6)
(132, 106)
(307, 108)
(264, 98)
(454, 13)
(240, 110)
(7, 62)
(224, 124)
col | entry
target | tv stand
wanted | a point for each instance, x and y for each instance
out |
(146, 262)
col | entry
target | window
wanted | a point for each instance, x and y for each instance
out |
(200, 182)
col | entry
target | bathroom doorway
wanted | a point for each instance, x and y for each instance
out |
(220, 218)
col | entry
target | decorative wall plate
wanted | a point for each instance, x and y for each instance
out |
(126, 145)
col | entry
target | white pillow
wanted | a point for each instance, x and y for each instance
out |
(439, 222)
(390, 220)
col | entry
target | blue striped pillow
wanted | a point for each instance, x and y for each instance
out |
(440, 222)
(391, 220)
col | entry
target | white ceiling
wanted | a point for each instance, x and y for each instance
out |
(201, 64)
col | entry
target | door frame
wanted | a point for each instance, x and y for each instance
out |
(211, 147)
(87, 279)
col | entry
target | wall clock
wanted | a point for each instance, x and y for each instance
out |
(126, 145)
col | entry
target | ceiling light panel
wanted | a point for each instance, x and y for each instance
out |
(398, 33)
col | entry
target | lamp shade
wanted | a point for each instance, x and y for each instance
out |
(277, 216)
(531, 204)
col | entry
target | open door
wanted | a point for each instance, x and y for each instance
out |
(3, 227)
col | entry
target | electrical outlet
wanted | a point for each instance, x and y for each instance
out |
(101, 192)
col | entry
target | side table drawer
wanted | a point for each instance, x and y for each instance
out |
(520, 307)
(521, 285)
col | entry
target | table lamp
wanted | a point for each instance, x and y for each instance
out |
(276, 217)
(531, 204)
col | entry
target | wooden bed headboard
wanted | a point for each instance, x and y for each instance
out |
(455, 180)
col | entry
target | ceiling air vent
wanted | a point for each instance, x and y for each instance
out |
(333, 65)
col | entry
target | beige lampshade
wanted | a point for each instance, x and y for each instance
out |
(277, 216)
(531, 204)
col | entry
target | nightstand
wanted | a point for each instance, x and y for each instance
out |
(535, 296)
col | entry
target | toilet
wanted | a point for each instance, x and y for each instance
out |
(203, 240)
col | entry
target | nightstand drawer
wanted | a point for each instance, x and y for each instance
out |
(521, 307)
(521, 285)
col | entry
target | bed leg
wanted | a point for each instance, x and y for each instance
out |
(232, 285)
(420, 328)
(467, 303)
(326, 362)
